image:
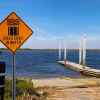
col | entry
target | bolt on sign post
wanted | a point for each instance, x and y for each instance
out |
(13, 33)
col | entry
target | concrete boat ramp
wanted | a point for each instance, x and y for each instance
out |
(84, 70)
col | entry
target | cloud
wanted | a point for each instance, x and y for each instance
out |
(40, 34)
(42, 39)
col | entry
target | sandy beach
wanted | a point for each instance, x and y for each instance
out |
(66, 88)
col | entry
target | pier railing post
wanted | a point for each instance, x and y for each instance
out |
(82, 52)
(59, 52)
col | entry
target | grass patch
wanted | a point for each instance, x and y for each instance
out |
(23, 88)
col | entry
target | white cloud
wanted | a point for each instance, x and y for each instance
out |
(42, 39)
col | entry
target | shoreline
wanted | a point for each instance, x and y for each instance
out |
(60, 81)
(49, 76)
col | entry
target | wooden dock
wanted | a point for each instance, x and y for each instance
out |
(84, 70)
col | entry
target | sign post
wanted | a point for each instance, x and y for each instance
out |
(13, 33)
(14, 79)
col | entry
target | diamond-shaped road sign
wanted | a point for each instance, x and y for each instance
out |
(14, 32)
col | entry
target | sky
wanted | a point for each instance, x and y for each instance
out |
(57, 21)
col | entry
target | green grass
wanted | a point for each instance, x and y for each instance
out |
(23, 87)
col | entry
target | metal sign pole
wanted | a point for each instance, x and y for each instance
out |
(14, 80)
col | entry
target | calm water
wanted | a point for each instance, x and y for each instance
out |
(44, 62)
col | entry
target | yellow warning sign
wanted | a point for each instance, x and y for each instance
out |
(14, 32)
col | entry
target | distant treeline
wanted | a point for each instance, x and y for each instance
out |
(44, 49)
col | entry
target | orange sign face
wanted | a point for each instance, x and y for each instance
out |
(14, 32)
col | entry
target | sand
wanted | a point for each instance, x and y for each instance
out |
(66, 88)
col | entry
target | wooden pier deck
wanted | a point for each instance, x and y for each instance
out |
(84, 70)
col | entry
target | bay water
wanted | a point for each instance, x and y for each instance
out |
(43, 63)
